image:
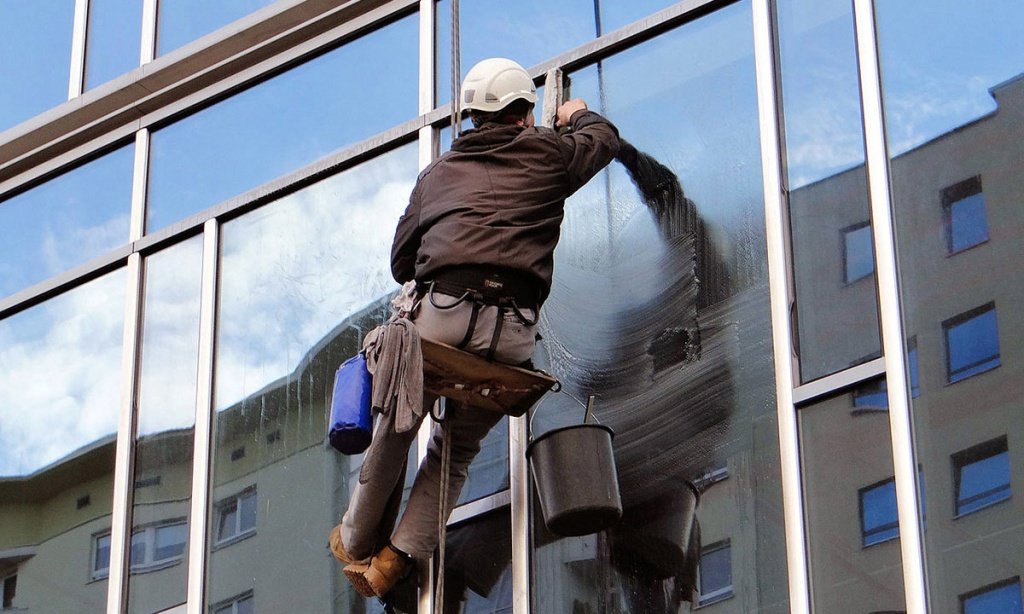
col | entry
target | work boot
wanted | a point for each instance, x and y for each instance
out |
(386, 569)
(338, 548)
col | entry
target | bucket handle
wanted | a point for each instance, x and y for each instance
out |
(587, 414)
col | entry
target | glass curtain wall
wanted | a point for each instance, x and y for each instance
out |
(953, 93)
(660, 309)
(158, 552)
(60, 364)
(833, 257)
(302, 280)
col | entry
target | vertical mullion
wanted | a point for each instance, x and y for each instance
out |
(893, 344)
(76, 79)
(781, 298)
(120, 529)
(147, 48)
(427, 141)
(203, 430)
(140, 173)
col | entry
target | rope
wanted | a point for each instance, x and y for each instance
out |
(456, 72)
(442, 504)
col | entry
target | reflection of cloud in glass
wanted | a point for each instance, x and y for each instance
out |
(59, 375)
(294, 269)
(170, 338)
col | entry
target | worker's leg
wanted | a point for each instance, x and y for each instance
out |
(417, 531)
(371, 513)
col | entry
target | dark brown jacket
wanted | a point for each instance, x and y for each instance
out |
(497, 198)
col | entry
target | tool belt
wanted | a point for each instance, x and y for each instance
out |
(486, 284)
(506, 289)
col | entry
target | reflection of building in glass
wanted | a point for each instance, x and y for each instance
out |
(960, 244)
(196, 207)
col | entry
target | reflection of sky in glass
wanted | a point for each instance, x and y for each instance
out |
(939, 60)
(819, 88)
(294, 269)
(114, 39)
(35, 57)
(183, 21)
(698, 118)
(531, 33)
(60, 365)
(170, 338)
(65, 221)
(284, 123)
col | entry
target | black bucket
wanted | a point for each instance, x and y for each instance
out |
(578, 486)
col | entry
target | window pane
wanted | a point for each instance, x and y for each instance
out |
(35, 43)
(166, 417)
(967, 223)
(138, 549)
(66, 221)
(836, 321)
(983, 482)
(102, 560)
(228, 526)
(245, 606)
(953, 98)
(114, 39)
(879, 521)
(850, 497)
(633, 284)
(303, 279)
(489, 29)
(715, 571)
(170, 541)
(859, 255)
(183, 21)
(60, 365)
(284, 123)
(247, 512)
(972, 345)
(1003, 600)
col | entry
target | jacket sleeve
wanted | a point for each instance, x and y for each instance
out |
(407, 241)
(589, 147)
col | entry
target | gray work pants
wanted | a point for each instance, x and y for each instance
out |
(368, 522)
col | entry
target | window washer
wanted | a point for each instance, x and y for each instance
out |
(478, 238)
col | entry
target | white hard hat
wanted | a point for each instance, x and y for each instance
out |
(494, 83)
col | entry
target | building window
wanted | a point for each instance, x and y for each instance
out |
(858, 252)
(242, 604)
(714, 575)
(101, 556)
(981, 476)
(872, 396)
(153, 547)
(915, 380)
(972, 343)
(236, 516)
(964, 212)
(878, 519)
(1003, 598)
(10, 588)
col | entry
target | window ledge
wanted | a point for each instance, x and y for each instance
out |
(950, 254)
(151, 567)
(705, 601)
(879, 542)
(973, 375)
(983, 507)
(234, 540)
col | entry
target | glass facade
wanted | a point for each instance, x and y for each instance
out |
(172, 311)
